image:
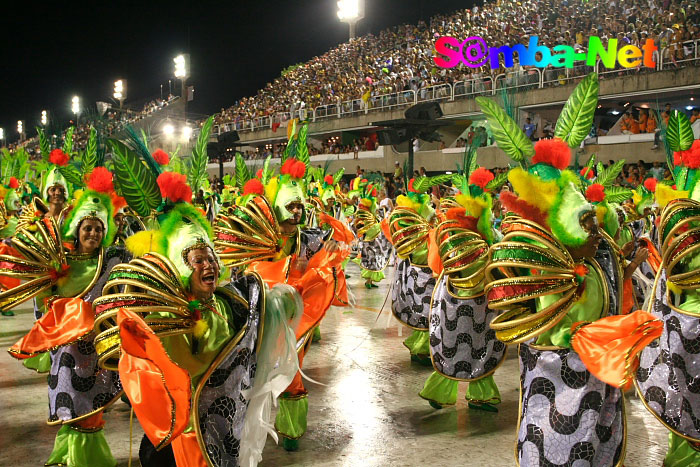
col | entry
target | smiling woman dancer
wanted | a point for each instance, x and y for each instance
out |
(79, 390)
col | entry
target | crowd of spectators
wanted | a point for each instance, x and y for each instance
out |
(358, 73)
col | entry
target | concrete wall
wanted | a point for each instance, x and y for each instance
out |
(445, 160)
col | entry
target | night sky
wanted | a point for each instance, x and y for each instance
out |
(53, 52)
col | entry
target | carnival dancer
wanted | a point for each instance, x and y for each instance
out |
(66, 280)
(375, 249)
(265, 233)
(409, 225)
(576, 350)
(667, 377)
(462, 345)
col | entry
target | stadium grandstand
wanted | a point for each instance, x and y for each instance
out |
(377, 77)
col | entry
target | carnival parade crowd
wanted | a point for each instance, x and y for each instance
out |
(195, 303)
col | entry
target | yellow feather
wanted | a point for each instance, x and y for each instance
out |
(144, 242)
(200, 328)
(405, 202)
(473, 206)
(665, 194)
(271, 190)
(533, 190)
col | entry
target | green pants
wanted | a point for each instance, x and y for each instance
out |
(443, 390)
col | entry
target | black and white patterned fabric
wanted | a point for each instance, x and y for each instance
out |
(668, 377)
(311, 240)
(375, 254)
(411, 294)
(568, 416)
(608, 261)
(462, 344)
(77, 385)
(222, 406)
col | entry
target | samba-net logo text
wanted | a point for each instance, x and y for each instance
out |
(474, 53)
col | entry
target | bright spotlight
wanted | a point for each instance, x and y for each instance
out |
(186, 133)
(351, 11)
(20, 127)
(181, 65)
(120, 89)
(75, 105)
(689, 107)
(2, 134)
(44, 117)
(168, 129)
(348, 9)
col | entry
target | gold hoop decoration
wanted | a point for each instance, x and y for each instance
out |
(408, 230)
(247, 233)
(364, 220)
(528, 263)
(464, 256)
(42, 264)
(679, 235)
(146, 285)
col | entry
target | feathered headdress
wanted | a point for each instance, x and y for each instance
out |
(547, 193)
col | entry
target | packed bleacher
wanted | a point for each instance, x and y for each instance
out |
(361, 73)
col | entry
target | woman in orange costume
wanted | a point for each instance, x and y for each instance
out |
(79, 390)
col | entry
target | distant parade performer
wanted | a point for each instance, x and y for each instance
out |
(462, 345)
(409, 225)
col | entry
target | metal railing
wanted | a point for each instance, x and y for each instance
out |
(530, 78)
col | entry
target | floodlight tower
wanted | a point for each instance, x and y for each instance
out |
(20, 130)
(120, 91)
(351, 11)
(75, 108)
(44, 118)
(182, 71)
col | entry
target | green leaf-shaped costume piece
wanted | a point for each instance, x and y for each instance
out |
(574, 122)
(242, 173)
(511, 139)
(68, 141)
(136, 182)
(198, 169)
(679, 133)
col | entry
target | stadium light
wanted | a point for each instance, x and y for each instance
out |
(168, 130)
(351, 11)
(75, 105)
(186, 133)
(182, 63)
(44, 117)
(2, 134)
(20, 127)
(120, 91)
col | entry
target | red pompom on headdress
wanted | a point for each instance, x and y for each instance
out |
(689, 158)
(58, 157)
(259, 173)
(100, 179)
(554, 152)
(587, 172)
(650, 184)
(481, 177)
(295, 168)
(328, 179)
(174, 187)
(14, 183)
(374, 192)
(117, 201)
(161, 157)
(595, 193)
(253, 186)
